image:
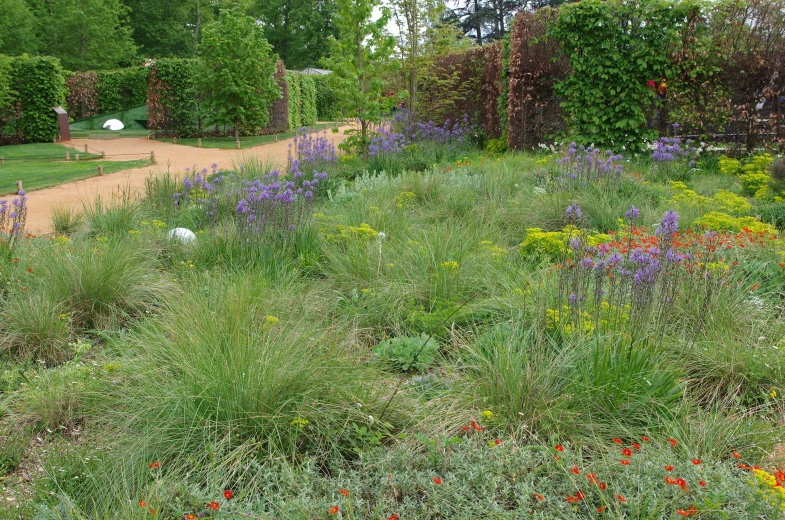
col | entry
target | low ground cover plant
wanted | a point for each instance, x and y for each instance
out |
(508, 336)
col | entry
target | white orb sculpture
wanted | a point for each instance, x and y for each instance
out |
(186, 236)
(113, 124)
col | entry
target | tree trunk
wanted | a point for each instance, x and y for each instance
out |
(236, 131)
(198, 25)
(479, 28)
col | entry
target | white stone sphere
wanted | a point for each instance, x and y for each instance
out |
(114, 124)
(186, 236)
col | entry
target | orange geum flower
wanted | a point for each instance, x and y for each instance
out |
(575, 470)
(625, 462)
(213, 505)
(626, 452)
(673, 441)
(702, 483)
(155, 464)
(228, 494)
(636, 445)
(437, 481)
(344, 492)
(142, 503)
(539, 496)
(559, 447)
(736, 454)
(669, 468)
(696, 461)
(621, 498)
(617, 440)
(333, 510)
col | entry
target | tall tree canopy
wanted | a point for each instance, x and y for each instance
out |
(236, 66)
(84, 34)
(487, 20)
(17, 28)
(297, 29)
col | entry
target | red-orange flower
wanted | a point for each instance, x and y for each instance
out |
(645, 439)
(601, 509)
(696, 461)
(636, 445)
(575, 470)
(669, 480)
(626, 452)
(142, 503)
(669, 468)
(228, 494)
(476, 426)
(617, 440)
(213, 505)
(344, 492)
(688, 512)
(30, 270)
(190, 517)
(466, 428)
(572, 500)
(621, 498)
(744, 466)
(673, 441)
(155, 464)
(539, 496)
(625, 462)
(437, 481)
(153, 512)
(603, 486)
(681, 483)
(333, 510)
(579, 495)
(393, 517)
(498, 441)
(702, 483)
(559, 447)
(736, 454)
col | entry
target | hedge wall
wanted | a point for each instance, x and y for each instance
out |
(535, 65)
(172, 97)
(279, 110)
(122, 88)
(295, 101)
(6, 97)
(327, 108)
(40, 85)
(307, 100)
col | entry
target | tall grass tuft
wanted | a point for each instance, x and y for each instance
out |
(34, 327)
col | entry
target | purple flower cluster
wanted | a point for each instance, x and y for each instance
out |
(673, 150)
(639, 284)
(12, 219)
(312, 150)
(392, 136)
(583, 165)
(274, 203)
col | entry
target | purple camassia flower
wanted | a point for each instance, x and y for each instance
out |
(633, 212)
(575, 243)
(669, 225)
(574, 210)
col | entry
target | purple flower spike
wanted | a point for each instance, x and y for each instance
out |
(632, 213)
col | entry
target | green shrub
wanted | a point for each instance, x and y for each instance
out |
(295, 100)
(308, 100)
(407, 353)
(496, 146)
(40, 85)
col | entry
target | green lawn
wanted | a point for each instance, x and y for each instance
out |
(39, 166)
(245, 142)
(107, 134)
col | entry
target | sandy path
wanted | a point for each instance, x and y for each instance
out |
(174, 158)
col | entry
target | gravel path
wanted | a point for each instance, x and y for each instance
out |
(174, 158)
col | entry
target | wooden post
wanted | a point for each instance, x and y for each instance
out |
(100, 170)
(18, 187)
(276, 138)
(238, 144)
(85, 148)
(76, 157)
(2, 160)
(67, 155)
(174, 140)
(103, 155)
(199, 142)
(152, 157)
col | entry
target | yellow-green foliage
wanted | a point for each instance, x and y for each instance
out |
(729, 166)
(718, 221)
(491, 251)
(610, 318)
(724, 201)
(553, 244)
(731, 203)
(341, 233)
(768, 488)
(543, 243)
(752, 183)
